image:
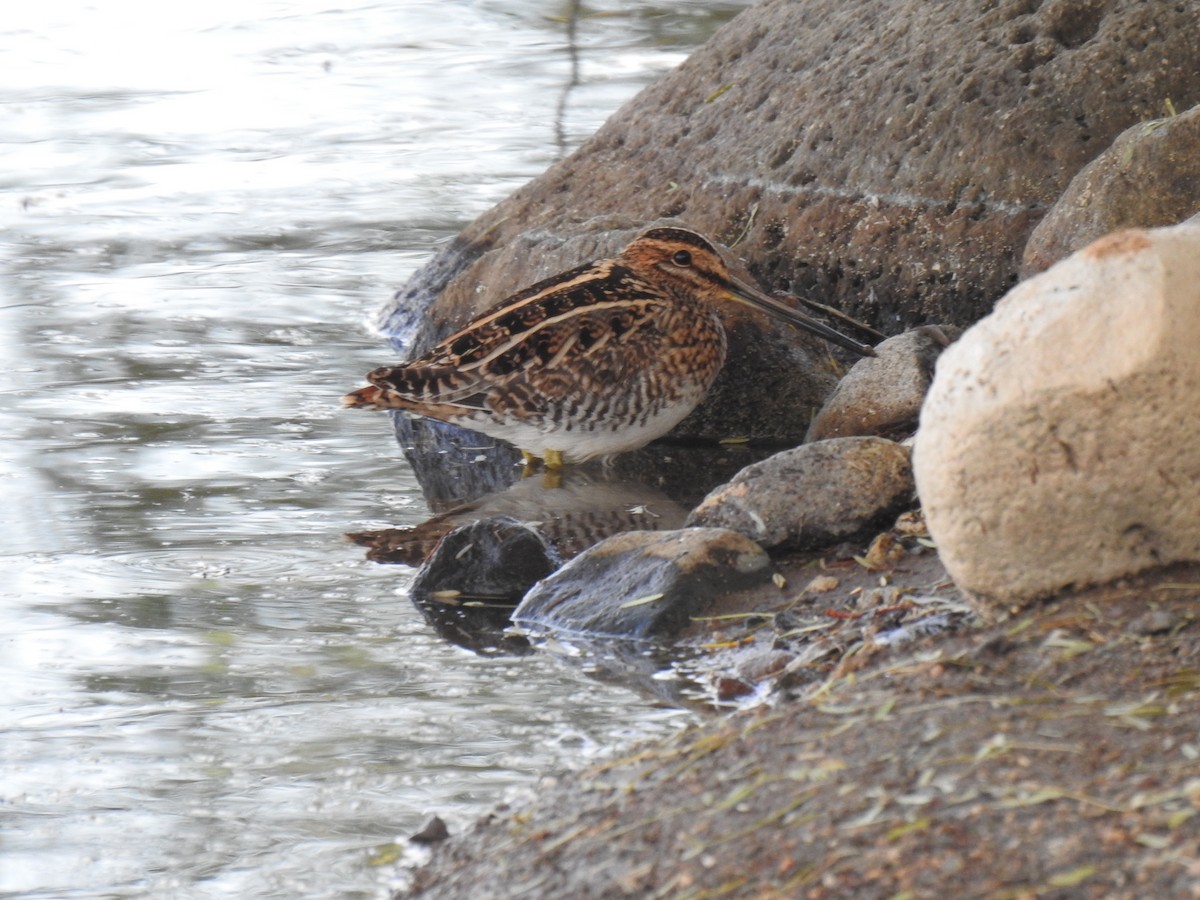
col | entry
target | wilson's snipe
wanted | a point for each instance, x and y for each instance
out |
(598, 360)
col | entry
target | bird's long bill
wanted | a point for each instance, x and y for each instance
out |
(756, 299)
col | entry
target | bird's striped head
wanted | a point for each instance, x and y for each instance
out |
(685, 261)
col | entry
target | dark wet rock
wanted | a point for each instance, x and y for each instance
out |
(1149, 177)
(777, 639)
(1058, 442)
(435, 831)
(751, 399)
(685, 472)
(468, 587)
(814, 495)
(903, 201)
(882, 396)
(645, 584)
(494, 560)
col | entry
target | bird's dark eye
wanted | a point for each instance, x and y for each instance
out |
(682, 258)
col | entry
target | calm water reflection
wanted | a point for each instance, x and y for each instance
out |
(204, 691)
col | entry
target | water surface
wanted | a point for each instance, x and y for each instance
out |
(204, 691)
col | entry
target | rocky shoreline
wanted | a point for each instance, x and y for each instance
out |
(999, 701)
(1053, 754)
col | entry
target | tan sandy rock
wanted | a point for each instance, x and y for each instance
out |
(1059, 441)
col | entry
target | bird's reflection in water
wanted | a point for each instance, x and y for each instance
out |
(454, 466)
(468, 479)
(574, 511)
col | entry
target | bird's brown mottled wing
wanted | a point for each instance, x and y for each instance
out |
(566, 326)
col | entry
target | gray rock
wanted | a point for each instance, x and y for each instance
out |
(883, 396)
(1058, 444)
(890, 160)
(1149, 177)
(644, 584)
(814, 495)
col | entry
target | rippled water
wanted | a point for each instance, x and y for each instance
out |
(204, 691)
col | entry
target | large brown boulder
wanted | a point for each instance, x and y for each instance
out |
(888, 159)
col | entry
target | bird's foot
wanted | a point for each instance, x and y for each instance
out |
(552, 467)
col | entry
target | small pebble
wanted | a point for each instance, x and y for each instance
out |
(1156, 621)
(821, 584)
(434, 831)
(728, 689)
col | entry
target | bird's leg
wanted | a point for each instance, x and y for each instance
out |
(529, 464)
(553, 461)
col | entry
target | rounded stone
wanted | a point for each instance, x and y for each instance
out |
(882, 396)
(468, 586)
(1149, 177)
(814, 495)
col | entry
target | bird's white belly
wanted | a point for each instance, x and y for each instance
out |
(580, 442)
